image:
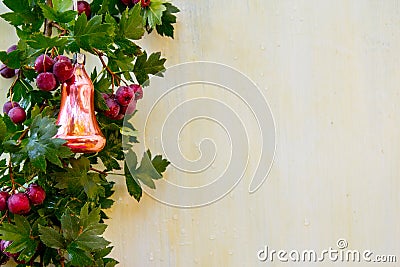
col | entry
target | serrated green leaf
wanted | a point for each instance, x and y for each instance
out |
(160, 164)
(40, 145)
(168, 18)
(93, 33)
(51, 238)
(18, 6)
(145, 66)
(152, 15)
(40, 41)
(70, 226)
(79, 257)
(133, 186)
(87, 218)
(62, 5)
(130, 25)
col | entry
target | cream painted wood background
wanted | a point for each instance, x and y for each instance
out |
(330, 71)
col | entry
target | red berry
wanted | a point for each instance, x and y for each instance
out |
(124, 95)
(46, 81)
(144, 3)
(6, 72)
(17, 115)
(19, 203)
(9, 105)
(43, 63)
(36, 194)
(63, 70)
(113, 108)
(84, 6)
(3, 200)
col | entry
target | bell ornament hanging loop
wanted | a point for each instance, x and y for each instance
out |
(77, 118)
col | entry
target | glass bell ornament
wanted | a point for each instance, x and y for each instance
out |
(77, 119)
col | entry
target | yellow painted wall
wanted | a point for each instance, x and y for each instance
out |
(330, 72)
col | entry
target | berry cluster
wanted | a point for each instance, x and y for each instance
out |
(52, 71)
(5, 71)
(119, 104)
(20, 203)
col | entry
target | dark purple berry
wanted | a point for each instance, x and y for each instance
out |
(3, 200)
(6, 72)
(17, 115)
(43, 63)
(9, 105)
(84, 6)
(46, 81)
(36, 194)
(63, 70)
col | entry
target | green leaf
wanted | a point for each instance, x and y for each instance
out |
(18, 6)
(130, 25)
(79, 257)
(159, 163)
(59, 12)
(77, 178)
(51, 238)
(145, 66)
(152, 15)
(3, 130)
(40, 145)
(62, 5)
(93, 34)
(40, 41)
(146, 173)
(70, 226)
(20, 234)
(132, 185)
(168, 18)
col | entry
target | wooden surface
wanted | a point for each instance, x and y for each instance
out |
(330, 72)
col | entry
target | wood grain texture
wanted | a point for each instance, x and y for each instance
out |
(330, 72)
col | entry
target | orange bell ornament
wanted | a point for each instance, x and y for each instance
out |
(77, 119)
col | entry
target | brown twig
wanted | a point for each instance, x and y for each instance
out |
(96, 170)
(58, 27)
(114, 76)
